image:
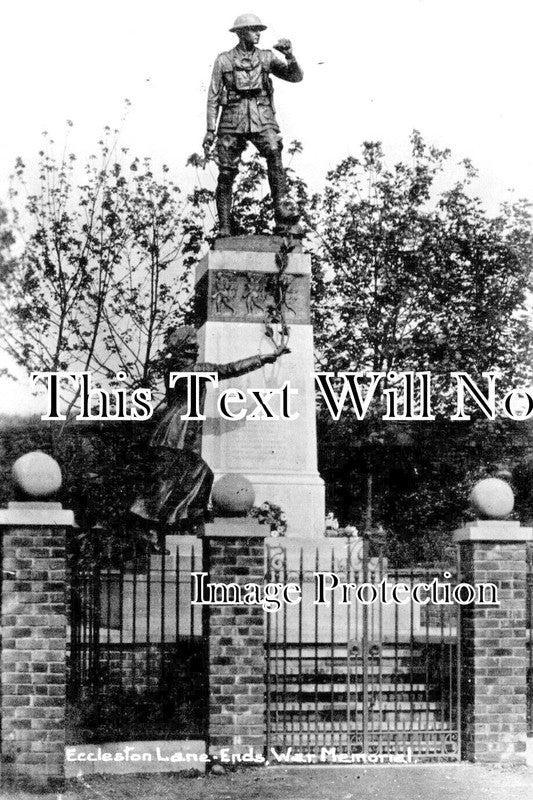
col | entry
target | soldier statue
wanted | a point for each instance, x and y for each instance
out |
(241, 89)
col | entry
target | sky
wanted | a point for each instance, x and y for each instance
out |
(459, 71)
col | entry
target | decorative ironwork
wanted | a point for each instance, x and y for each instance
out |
(452, 742)
(350, 564)
(369, 680)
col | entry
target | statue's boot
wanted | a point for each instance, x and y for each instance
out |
(224, 199)
(278, 185)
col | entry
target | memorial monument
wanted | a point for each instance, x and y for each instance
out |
(253, 326)
(252, 291)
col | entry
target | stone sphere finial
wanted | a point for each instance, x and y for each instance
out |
(492, 498)
(233, 496)
(37, 474)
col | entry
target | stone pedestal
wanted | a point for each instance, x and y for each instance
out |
(34, 639)
(234, 553)
(279, 457)
(493, 642)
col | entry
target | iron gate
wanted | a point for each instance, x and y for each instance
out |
(360, 682)
(137, 657)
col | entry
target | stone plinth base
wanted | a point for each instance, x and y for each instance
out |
(235, 288)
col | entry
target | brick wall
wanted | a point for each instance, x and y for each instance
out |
(236, 660)
(493, 652)
(33, 653)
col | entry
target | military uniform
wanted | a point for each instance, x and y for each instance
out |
(241, 86)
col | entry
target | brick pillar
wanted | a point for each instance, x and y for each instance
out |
(34, 642)
(234, 553)
(493, 642)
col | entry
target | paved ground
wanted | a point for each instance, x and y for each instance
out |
(439, 782)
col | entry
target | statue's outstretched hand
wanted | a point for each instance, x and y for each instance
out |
(284, 46)
(207, 144)
(271, 357)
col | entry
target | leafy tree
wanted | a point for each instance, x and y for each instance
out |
(105, 267)
(417, 279)
(421, 280)
(409, 277)
(7, 264)
(405, 277)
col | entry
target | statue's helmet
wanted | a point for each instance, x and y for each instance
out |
(247, 21)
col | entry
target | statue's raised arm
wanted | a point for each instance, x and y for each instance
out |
(178, 482)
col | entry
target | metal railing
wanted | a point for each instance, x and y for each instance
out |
(137, 654)
(371, 681)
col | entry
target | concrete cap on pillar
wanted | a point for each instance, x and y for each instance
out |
(492, 498)
(37, 475)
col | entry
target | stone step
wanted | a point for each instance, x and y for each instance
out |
(415, 673)
(392, 707)
(315, 731)
(399, 727)
(342, 687)
(324, 653)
